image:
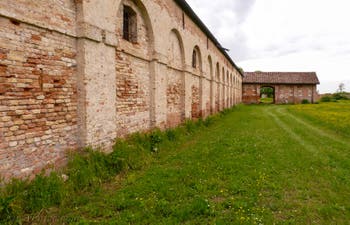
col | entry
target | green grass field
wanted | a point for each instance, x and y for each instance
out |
(266, 100)
(262, 164)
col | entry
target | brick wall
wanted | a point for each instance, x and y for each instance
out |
(38, 102)
(284, 94)
(68, 79)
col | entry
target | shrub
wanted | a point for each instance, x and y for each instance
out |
(305, 101)
(340, 96)
(131, 155)
(8, 213)
(140, 140)
(155, 140)
(190, 126)
(171, 135)
(208, 121)
(326, 99)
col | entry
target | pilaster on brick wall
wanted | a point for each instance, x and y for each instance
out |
(96, 74)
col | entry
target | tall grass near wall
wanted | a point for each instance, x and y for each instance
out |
(88, 170)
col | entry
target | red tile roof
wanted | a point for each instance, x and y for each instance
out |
(280, 78)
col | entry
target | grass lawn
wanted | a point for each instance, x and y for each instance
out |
(266, 100)
(334, 115)
(262, 164)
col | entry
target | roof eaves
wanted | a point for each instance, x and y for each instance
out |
(280, 83)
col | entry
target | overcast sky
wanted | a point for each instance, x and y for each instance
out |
(284, 35)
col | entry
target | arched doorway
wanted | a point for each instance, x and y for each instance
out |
(267, 95)
(175, 80)
(217, 92)
(133, 68)
(197, 84)
(210, 108)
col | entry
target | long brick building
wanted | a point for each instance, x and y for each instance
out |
(85, 72)
(288, 87)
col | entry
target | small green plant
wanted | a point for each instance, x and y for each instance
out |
(8, 213)
(200, 207)
(305, 101)
(190, 126)
(209, 121)
(130, 155)
(171, 135)
(155, 140)
(140, 140)
(43, 192)
(90, 168)
(225, 112)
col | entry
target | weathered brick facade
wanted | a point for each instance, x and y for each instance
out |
(289, 88)
(70, 78)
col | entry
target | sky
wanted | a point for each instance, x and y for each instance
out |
(284, 35)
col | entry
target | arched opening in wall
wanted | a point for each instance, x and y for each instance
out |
(134, 73)
(197, 84)
(175, 81)
(227, 89)
(223, 95)
(267, 95)
(194, 59)
(210, 107)
(234, 89)
(217, 91)
(129, 24)
(231, 89)
(133, 26)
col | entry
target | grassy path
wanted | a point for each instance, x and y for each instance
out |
(255, 165)
(321, 132)
(258, 165)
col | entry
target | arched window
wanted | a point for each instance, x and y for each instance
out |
(129, 24)
(227, 78)
(194, 59)
(217, 72)
(210, 68)
(223, 75)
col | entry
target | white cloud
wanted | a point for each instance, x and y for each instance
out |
(224, 19)
(275, 26)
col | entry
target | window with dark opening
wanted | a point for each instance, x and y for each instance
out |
(129, 24)
(194, 59)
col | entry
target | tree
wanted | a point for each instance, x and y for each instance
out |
(341, 88)
(268, 91)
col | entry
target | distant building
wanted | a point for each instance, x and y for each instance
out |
(288, 87)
